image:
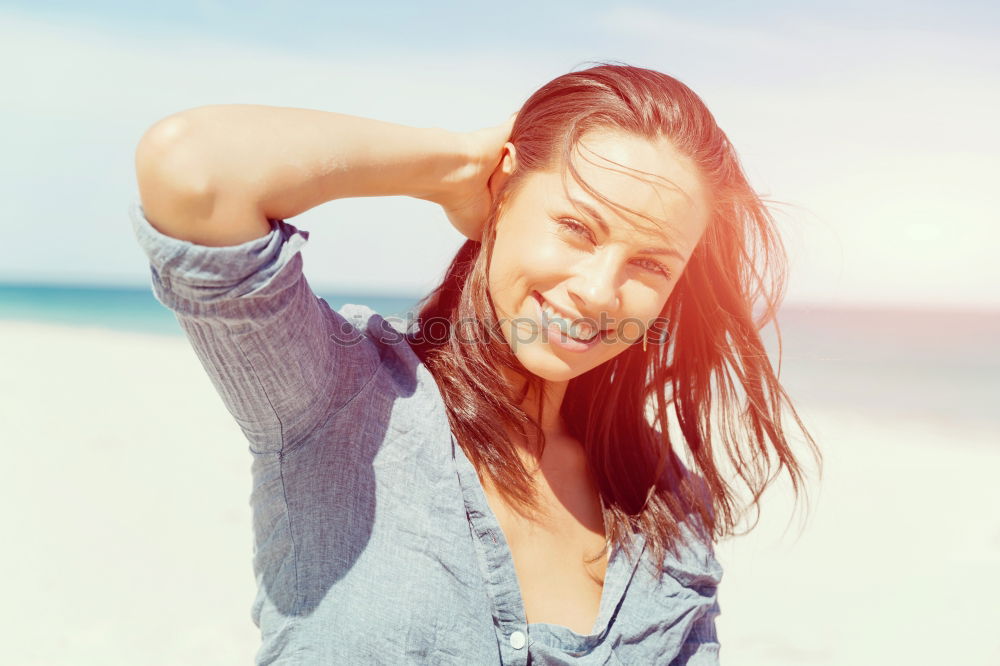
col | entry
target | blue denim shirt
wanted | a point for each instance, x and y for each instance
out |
(373, 540)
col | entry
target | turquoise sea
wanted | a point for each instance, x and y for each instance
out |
(939, 365)
(135, 308)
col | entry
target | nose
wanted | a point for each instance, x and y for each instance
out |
(595, 287)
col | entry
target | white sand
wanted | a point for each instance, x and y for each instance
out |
(899, 562)
(129, 534)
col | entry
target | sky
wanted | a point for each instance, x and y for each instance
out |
(869, 123)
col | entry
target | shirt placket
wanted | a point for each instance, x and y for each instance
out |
(500, 577)
(496, 567)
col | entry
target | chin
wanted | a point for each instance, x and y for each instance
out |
(546, 365)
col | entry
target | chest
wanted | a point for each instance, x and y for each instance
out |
(560, 560)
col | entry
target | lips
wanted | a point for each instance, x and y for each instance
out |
(574, 326)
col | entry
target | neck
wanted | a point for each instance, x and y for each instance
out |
(545, 402)
(544, 405)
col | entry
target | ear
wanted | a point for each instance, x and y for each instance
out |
(503, 170)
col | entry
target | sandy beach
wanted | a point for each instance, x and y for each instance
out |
(130, 540)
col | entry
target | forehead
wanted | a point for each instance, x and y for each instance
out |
(647, 176)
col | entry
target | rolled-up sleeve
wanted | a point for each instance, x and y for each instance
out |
(280, 358)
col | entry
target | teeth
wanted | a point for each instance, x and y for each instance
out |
(552, 318)
(581, 330)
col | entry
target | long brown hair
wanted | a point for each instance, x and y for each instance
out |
(619, 410)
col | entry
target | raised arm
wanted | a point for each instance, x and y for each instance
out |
(217, 183)
(214, 175)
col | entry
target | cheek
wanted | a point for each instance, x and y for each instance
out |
(544, 261)
(505, 279)
(641, 314)
(526, 260)
(648, 299)
(498, 277)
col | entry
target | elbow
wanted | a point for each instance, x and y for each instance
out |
(174, 179)
(169, 156)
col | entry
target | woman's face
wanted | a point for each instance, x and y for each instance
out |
(561, 268)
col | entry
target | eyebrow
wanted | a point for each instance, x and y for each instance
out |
(593, 212)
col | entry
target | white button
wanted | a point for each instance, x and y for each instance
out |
(517, 640)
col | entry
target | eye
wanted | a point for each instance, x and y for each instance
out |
(581, 230)
(656, 267)
(576, 228)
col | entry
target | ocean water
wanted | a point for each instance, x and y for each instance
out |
(935, 366)
(135, 308)
(931, 365)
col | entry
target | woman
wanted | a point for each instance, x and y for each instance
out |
(482, 487)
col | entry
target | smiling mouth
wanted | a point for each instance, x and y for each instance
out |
(580, 331)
